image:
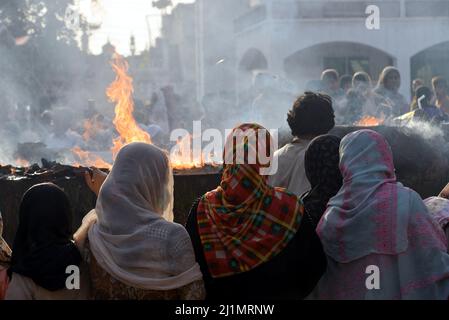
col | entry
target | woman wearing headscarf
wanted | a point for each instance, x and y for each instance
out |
(135, 250)
(380, 241)
(388, 86)
(426, 111)
(250, 239)
(321, 164)
(43, 248)
(439, 209)
(5, 259)
(371, 101)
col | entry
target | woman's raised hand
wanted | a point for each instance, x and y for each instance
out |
(445, 192)
(95, 181)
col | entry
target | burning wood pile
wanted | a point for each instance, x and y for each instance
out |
(14, 181)
(192, 177)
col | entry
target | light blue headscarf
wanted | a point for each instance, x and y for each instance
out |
(375, 221)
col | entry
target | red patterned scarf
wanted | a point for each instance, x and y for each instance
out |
(244, 222)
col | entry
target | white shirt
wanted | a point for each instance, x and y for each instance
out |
(24, 288)
(291, 173)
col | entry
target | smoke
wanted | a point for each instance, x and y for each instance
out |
(426, 130)
(223, 61)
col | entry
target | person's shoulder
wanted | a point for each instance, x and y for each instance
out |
(20, 288)
(413, 196)
(178, 242)
(176, 233)
(281, 150)
(285, 150)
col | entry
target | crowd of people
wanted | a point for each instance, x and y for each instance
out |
(355, 97)
(310, 231)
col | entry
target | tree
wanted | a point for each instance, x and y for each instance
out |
(41, 61)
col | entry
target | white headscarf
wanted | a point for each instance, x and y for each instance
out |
(439, 209)
(134, 239)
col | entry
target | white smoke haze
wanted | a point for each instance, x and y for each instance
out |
(221, 62)
(427, 130)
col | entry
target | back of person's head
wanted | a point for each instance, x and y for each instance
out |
(311, 115)
(141, 182)
(42, 247)
(345, 82)
(246, 145)
(439, 83)
(365, 153)
(321, 162)
(416, 84)
(425, 92)
(46, 214)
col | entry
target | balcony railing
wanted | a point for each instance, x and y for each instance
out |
(335, 9)
(252, 17)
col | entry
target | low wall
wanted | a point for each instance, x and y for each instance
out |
(187, 188)
(421, 164)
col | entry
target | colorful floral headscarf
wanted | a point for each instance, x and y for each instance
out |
(245, 222)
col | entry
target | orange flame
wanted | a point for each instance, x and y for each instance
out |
(89, 159)
(91, 128)
(22, 162)
(120, 91)
(369, 121)
(182, 156)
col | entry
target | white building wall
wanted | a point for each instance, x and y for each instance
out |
(400, 37)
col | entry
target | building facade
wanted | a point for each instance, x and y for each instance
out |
(298, 39)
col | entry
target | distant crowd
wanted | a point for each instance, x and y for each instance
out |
(355, 97)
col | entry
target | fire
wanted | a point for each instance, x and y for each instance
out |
(22, 163)
(90, 159)
(369, 121)
(181, 156)
(91, 127)
(120, 91)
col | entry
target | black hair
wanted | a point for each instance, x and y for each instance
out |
(311, 115)
(423, 91)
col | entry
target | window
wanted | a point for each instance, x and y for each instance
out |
(347, 65)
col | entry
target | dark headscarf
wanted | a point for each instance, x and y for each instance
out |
(42, 247)
(321, 164)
